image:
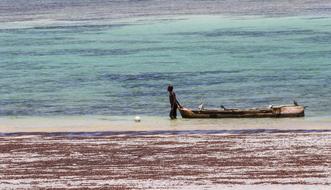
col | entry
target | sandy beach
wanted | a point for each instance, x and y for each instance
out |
(279, 160)
(76, 73)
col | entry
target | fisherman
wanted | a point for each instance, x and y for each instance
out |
(173, 102)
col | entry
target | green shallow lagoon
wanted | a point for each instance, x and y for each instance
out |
(123, 67)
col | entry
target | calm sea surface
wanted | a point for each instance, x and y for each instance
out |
(84, 57)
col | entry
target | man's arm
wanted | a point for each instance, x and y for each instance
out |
(176, 101)
(178, 104)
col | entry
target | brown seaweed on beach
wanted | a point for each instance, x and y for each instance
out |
(164, 161)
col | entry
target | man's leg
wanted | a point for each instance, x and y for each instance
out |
(171, 114)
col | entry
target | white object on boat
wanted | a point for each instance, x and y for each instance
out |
(137, 119)
(201, 107)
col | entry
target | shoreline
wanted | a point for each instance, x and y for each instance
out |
(160, 133)
(149, 123)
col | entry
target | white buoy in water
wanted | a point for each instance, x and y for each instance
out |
(137, 119)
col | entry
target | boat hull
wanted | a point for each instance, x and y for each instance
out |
(274, 112)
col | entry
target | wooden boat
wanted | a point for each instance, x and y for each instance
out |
(272, 111)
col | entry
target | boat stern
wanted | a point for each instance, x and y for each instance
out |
(290, 111)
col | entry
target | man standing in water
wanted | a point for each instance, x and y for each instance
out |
(173, 102)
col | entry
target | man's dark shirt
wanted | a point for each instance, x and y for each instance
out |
(172, 99)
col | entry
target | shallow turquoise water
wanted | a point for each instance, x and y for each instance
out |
(123, 68)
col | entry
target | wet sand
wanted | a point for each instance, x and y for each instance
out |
(280, 160)
(108, 123)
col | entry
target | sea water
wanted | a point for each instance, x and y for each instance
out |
(116, 58)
